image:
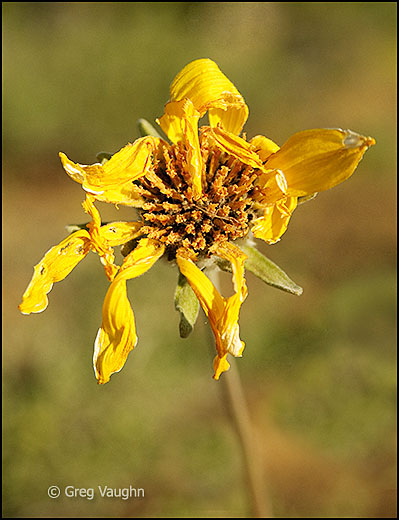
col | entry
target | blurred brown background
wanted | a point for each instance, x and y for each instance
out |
(318, 370)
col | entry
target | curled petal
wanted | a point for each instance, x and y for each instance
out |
(117, 335)
(317, 160)
(180, 124)
(90, 209)
(175, 115)
(209, 89)
(275, 220)
(229, 325)
(113, 181)
(237, 147)
(222, 313)
(56, 264)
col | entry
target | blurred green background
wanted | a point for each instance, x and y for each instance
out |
(318, 370)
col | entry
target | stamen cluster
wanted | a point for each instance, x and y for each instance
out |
(172, 216)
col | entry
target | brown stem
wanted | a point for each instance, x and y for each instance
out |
(239, 414)
(252, 457)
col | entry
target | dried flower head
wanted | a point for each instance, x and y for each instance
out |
(197, 196)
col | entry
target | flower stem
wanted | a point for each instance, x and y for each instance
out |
(233, 391)
(239, 414)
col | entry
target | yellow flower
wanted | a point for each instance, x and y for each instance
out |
(196, 195)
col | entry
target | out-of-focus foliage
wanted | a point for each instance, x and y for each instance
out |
(318, 369)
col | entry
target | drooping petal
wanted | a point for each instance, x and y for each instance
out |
(113, 181)
(208, 88)
(222, 313)
(229, 324)
(56, 264)
(275, 220)
(317, 160)
(117, 335)
(60, 260)
(180, 124)
(212, 303)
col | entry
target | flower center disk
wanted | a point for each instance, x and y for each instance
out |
(172, 216)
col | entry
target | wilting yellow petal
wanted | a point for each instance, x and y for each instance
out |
(90, 209)
(117, 335)
(270, 186)
(113, 181)
(173, 120)
(317, 160)
(113, 233)
(222, 313)
(208, 88)
(209, 297)
(97, 239)
(237, 147)
(180, 124)
(229, 325)
(275, 220)
(118, 233)
(57, 263)
(212, 303)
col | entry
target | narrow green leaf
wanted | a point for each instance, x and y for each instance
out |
(187, 304)
(146, 128)
(268, 271)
